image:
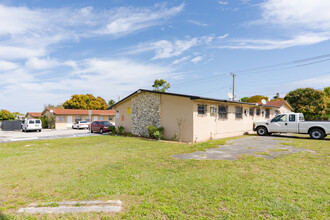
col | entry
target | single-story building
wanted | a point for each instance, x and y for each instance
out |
(32, 115)
(64, 118)
(189, 118)
(284, 106)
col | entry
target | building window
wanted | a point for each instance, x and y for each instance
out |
(223, 111)
(101, 118)
(251, 111)
(87, 119)
(110, 118)
(277, 112)
(77, 118)
(62, 118)
(267, 113)
(238, 112)
(258, 111)
(201, 109)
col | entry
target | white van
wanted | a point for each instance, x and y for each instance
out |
(32, 125)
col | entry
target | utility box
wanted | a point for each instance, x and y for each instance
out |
(11, 125)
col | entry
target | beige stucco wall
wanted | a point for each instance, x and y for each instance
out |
(122, 111)
(175, 109)
(210, 126)
(284, 109)
(197, 128)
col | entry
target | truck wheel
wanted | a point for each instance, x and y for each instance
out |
(317, 134)
(262, 131)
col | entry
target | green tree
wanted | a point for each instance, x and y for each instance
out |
(17, 114)
(244, 99)
(161, 85)
(327, 91)
(256, 98)
(111, 102)
(87, 101)
(6, 115)
(51, 106)
(314, 104)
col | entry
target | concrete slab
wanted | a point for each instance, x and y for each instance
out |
(266, 147)
(69, 209)
(73, 207)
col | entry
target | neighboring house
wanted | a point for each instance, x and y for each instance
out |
(32, 115)
(284, 106)
(64, 118)
(189, 118)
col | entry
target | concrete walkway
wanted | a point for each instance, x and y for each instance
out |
(266, 147)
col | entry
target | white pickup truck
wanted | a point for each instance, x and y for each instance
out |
(293, 123)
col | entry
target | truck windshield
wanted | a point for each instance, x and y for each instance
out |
(279, 118)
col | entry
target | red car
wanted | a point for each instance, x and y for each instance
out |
(100, 126)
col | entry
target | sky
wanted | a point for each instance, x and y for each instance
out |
(50, 50)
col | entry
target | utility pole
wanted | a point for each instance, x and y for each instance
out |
(233, 75)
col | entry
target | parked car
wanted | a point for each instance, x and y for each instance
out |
(100, 126)
(293, 123)
(80, 125)
(32, 125)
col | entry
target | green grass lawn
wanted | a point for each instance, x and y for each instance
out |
(152, 184)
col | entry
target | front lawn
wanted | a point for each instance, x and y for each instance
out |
(153, 184)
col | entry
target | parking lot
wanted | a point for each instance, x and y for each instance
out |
(11, 136)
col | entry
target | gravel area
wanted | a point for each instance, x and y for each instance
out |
(266, 147)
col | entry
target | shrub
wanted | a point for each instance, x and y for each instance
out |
(157, 135)
(121, 130)
(151, 130)
(112, 130)
(155, 132)
(44, 121)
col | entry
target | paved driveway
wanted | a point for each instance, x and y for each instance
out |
(11, 136)
(267, 147)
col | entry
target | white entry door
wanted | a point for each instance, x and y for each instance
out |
(95, 118)
(69, 122)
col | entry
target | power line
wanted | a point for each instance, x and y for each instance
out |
(286, 63)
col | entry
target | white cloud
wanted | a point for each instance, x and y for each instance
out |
(197, 59)
(315, 82)
(5, 65)
(222, 2)
(312, 14)
(301, 22)
(36, 63)
(167, 49)
(181, 60)
(198, 23)
(223, 36)
(24, 91)
(266, 44)
(128, 20)
(27, 32)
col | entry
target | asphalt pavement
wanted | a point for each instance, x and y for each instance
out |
(12, 136)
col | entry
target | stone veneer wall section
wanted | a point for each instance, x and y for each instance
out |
(145, 111)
